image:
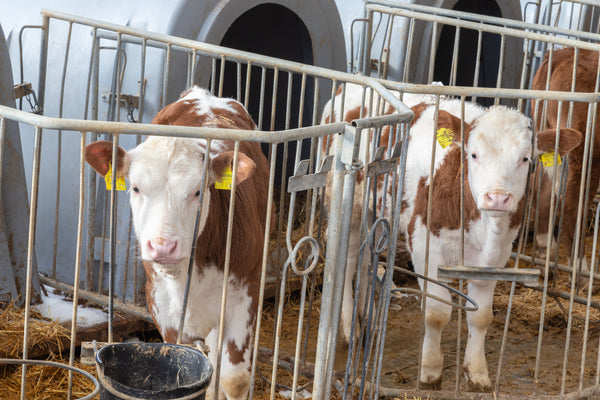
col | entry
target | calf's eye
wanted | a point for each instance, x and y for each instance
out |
(197, 194)
(525, 159)
(136, 189)
(474, 156)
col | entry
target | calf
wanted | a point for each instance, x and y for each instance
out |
(498, 153)
(165, 184)
(561, 74)
(349, 105)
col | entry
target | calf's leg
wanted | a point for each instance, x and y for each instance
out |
(437, 315)
(475, 365)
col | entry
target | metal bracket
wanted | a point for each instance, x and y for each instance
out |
(22, 89)
(380, 166)
(126, 99)
(529, 277)
(304, 181)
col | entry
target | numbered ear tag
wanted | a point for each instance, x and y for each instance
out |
(445, 137)
(224, 183)
(121, 185)
(547, 159)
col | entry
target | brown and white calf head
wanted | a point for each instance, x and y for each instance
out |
(165, 180)
(499, 149)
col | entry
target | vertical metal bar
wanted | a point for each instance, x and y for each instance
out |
(477, 63)
(262, 97)
(340, 267)
(500, 66)
(113, 238)
(167, 66)
(462, 233)
(34, 197)
(553, 199)
(204, 186)
(217, 370)
(427, 237)
(238, 85)
(453, 65)
(221, 76)
(263, 274)
(364, 62)
(408, 54)
(589, 300)
(59, 149)
(213, 75)
(77, 260)
(194, 66)
(333, 234)
(35, 179)
(247, 91)
(92, 177)
(432, 51)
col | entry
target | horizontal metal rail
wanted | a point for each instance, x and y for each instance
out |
(500, 30)
(486, 19)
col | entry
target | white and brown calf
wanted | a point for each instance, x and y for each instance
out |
(165, 182)
(498, 150)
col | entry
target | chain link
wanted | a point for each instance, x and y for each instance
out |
(130, 116)
(32, 100)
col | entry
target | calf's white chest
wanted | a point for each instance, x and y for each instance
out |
(204, 304)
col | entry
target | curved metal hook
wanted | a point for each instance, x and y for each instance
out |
(475, 306)
(313, 257)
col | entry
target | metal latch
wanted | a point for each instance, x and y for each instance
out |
(24, 89)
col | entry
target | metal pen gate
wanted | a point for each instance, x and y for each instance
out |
(98, 262)
(264, 84)
(562, 363)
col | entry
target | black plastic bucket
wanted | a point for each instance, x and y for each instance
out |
(152, 371)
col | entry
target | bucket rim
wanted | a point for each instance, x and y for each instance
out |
(113, 386)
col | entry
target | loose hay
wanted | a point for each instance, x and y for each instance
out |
(46, 338)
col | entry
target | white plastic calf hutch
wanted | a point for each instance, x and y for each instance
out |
(79, 79)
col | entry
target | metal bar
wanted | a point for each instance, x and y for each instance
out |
(201, 199)
(526, 276)
(397, 7)
(35, 179)
(59, 149)
(217, 371)
(170, 130)
(77, 260)
(263, 275)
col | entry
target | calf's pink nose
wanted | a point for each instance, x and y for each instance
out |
(497, 200)
(163, 250)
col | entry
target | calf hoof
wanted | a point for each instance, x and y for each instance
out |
(431, 384)
(480, 385)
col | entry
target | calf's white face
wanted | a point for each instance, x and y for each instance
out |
(165, 182)
(165, 178)
(499, 150)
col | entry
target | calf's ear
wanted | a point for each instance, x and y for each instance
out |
(569, 140)
(99, 154)
(453, 124)
(223, 163)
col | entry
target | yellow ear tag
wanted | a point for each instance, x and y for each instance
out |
(108, 180)
(445, 137)
(226, 179)
(547, 159)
